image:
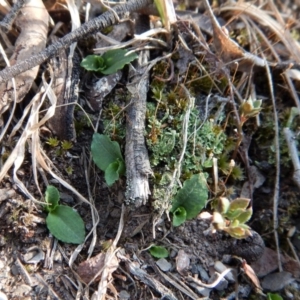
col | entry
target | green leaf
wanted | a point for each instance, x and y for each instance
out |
(114, 171)
(51, 197)
(274, 296)
(238, 232)
(159, 252)
(245, 216)
(66, 225)
(237, 203)
(192, 197)
(179, 216)
(116, 60)
(237, 207)
(93, 63)
(104, 151)
(223, 205)
(160, 8)
(233, 214)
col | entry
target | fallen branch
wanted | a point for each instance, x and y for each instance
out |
(136, 155)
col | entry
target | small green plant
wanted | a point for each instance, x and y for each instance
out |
(108, 158)
(69, 170)
(108, 63)
(250, 108)
(63, 222)
(60, 146)
(53, 142)
(274, 297)
(232, 216)
(159, 252)
(66, 145)
(190, 200)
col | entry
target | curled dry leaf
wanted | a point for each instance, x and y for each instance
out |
(251, 274)
(92, 268)
(33, 23)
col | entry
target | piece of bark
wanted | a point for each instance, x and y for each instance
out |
(33, 23)
(60, 72)
(66, 73)
(98, 89)
(136, 155)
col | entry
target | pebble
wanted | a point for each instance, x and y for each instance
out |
(277, 281)
(123, 295)
(205, 292)
(199, 270)
(222, 285)
(220, 267)
(164, 265)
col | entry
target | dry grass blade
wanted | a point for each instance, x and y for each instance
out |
(277, 164)
(3, 131)
(263, 18)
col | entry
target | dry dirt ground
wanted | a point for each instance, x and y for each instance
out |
(114, 261)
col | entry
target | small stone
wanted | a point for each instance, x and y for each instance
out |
(277, 281)
(164, 265)
(123, 295)
(14, 270)
(222, 285)
(173, 253)
(220, 267)
(199, 270)
(201, 290)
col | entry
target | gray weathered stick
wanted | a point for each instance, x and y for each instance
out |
(107, 19)
(10, 17)
(136, 155)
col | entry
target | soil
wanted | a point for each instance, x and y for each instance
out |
(34, 265)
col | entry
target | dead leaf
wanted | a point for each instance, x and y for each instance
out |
(89, 268)
(228, 50)
(251, 275)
